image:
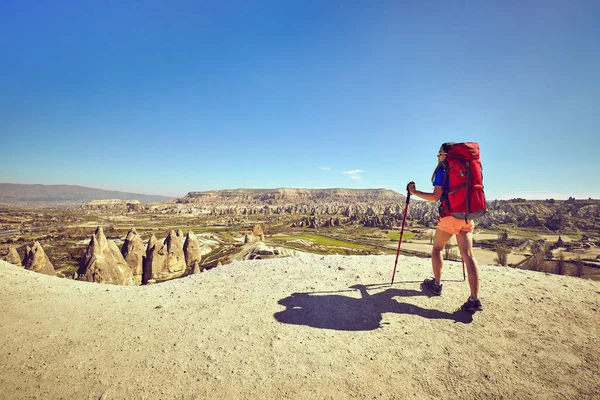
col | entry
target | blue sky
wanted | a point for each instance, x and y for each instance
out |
(169, 97)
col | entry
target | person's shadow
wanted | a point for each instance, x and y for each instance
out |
(334, 311)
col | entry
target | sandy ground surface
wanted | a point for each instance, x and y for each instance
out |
(483, 256)
(325, 327)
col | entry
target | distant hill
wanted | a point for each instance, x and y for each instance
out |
(290, 196)
(66, 194)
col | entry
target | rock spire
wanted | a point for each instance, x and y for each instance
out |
(103, 262)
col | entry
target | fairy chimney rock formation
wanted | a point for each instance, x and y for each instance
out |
(13, 256)
(175, 257)
(133, 251)
(166, 260)
(26, 256)
(191, 249)
(103, 262)
(196, 269)
(36, 260)
(258, 232)
(154, 260)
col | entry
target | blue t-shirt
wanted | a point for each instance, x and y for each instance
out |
(439, 180)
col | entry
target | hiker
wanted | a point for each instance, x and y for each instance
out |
(449, 225)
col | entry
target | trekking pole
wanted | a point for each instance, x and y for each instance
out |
(401, 231)
(464, 275)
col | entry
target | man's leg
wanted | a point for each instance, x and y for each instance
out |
(465, 244)
(439, 242)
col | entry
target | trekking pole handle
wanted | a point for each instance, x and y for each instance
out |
(408, 191)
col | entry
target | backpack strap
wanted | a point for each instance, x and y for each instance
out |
(468, 168)
(444, 209)
(456, 190)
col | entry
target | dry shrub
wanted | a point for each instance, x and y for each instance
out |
(560, 265)
(537, 262)
(578, 267)
(450, 252)
(502, 255)
(503, 236)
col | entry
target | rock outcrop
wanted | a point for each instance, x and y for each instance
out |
(175, 257)
(258, 231)
(250, 238)
(133, 252)
(191, 249)
(103, 262)
(259, 250)
(36, 260)
(289, 195)
(196, 268)
(13, 257)
(166, 260)
(154, 260)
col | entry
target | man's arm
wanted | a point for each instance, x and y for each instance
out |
(435, 196)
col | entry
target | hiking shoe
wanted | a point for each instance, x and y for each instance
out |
(432, 286)
(472, 305)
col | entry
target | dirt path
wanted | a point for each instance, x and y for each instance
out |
(324, 327)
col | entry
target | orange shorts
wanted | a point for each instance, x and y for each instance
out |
(454, 225)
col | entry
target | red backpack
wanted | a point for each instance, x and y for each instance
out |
(464, 197)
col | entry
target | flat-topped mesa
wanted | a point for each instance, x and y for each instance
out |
(166, 260)
(291, 196)
(36, 260)
(103, 262)
(112, 202)
(133, 252)
(13, 256)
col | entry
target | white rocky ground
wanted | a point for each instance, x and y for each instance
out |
(327, 327)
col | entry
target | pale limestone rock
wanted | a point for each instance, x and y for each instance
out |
(258, 232)
(166, 260)
(175, 257)
(133, 251)
(103, 262)
(250, 238)
(13, 257)
(191, 249)
(154, 260)
(196, 269)
(36, 260)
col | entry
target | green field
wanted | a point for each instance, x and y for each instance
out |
(395, 236)
(323, 241)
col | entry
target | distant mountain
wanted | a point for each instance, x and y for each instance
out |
(66, 194)
(290, 196)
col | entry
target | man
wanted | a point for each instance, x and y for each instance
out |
(446, 228)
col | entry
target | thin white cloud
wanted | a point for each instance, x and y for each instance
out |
(354, 174)
(325, 168)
